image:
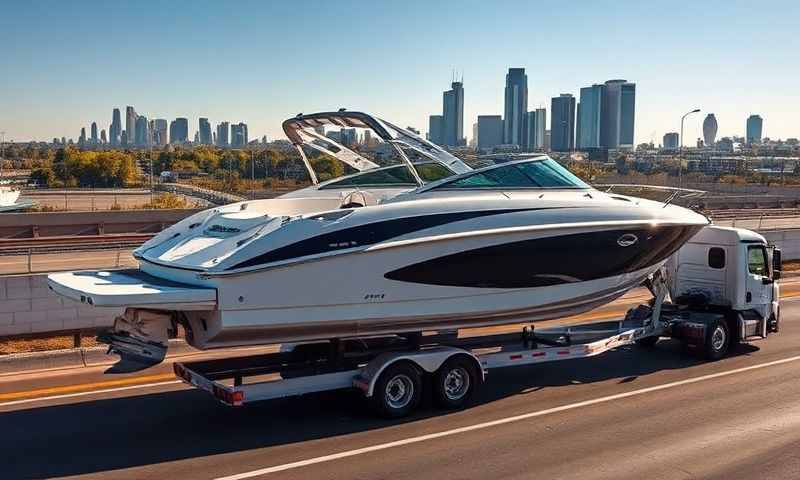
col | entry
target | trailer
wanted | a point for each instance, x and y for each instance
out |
(695, 300)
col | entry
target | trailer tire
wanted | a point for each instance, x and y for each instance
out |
(718, 340)
(397, 391)
(647, 342)
(455, 382)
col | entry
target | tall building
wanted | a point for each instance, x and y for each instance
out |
(535, 126)
(618, 114)
(710, 130)
(436, 129)
(115, 131)
(160, 132)
(348, 136)
(222, 134)
(490, 131)
(130, 123)
(754, 129)
(562, 123)
(453, 115)
(142, 136)
(589, 117)
(516, 106)
(94, 133)
(179, 130)
(124, 138)
(671, 141)
(82, 138)
(204, 131)
(103, 138)
(239, 135)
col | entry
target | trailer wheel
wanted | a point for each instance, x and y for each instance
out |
(647, 342)
(774, 323)
(397, 391)
(718, 339)
(455, 382)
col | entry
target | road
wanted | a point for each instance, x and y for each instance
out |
(631, 413)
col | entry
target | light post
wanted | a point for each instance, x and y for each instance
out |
(252, 175)
(680, 149)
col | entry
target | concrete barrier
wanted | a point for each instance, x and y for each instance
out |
(28, 225)
(787, 240)
(28, 307)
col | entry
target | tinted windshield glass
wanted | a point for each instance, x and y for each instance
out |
(534, 174)
(394, 176)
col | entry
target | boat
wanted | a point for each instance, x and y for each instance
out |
(424, 244)
(10, 202)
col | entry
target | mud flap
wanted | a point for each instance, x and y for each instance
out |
(140, 338)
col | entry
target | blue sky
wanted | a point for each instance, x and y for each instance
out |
(65, 64)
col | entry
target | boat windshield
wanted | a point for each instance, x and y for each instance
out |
(392, 176)
(541, 172)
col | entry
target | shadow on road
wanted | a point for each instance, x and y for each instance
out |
(110, 434)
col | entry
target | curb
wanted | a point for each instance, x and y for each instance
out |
(75, 357)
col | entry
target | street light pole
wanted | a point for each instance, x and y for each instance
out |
(680, 149)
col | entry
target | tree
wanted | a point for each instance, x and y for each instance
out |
(44, 177)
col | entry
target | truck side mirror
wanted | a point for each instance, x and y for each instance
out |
(777, 264)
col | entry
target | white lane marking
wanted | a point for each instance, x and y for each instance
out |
(90, 392)
(493, 423)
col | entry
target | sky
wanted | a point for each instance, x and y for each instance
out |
(66, 64)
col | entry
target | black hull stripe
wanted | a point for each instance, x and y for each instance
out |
(550, 261)
(368, 234)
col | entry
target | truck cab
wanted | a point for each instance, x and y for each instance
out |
(732, 272)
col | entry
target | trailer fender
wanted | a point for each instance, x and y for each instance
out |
(426, 360)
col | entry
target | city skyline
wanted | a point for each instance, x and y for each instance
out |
(684, 67)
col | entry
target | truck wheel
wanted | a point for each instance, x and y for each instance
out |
(647, 342)
(718, 339)
(774, 323)
(455, 382)
(397, 391)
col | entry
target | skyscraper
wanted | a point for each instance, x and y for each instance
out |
(710, 130)
(618, 114)
(754, 129)
(671, 141)
(160, 131)
(453, 115)
(115, 131)
(179, 130)
(535, 126)
(94, 133)
(239, 134)
(82, 138)
(348, 136)
(590, 116)
(142, 132)
(103, 138)
(516, 106)
(204, 131)
(562, 123)
(435, 129)
(490, 131)
(130, 123)
(222, 134)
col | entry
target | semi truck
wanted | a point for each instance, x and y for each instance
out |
(720, 289)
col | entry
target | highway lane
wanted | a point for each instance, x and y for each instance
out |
(735, 418)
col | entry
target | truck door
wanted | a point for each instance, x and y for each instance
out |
(758, 284)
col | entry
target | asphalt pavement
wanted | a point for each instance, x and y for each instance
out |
(630, 413)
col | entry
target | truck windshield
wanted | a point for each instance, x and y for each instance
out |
(757, 261)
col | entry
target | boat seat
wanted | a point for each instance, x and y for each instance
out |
(358, 199)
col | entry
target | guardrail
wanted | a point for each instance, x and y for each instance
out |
(213, 196)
